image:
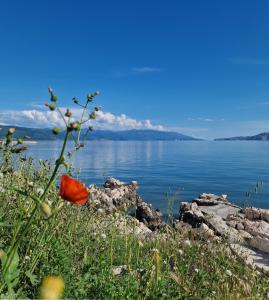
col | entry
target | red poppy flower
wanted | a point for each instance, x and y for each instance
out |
(73, 190)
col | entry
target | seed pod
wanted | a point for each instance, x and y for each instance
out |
(75, 100)
(53, 97)
(90, 97)
(75, 126)
(92, 115)
(56, 130)
(68, 113)
(46, 210)
(51, 106)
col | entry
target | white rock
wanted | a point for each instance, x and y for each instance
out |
(260, 243)
(117, 271)
(204, 229)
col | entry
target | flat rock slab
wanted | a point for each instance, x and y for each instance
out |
(252, 257)
(221, 210)
(220, 227)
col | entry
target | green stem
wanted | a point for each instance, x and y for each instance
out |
(15, 244)
(81, 121)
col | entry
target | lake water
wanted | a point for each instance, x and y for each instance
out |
(182, 169)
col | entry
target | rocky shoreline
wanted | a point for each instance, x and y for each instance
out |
(246, 231)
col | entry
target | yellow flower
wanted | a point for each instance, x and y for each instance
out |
(52, 288)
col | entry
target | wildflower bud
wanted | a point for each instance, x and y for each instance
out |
(61, 204)
(97, 108)
(75, 100)
(56, 130)
(97, 93)
(68, 113)
(11, 131)
(39, 191)
(2, 253)
(51, 106)
(156, 258)
(90, 97)
(45, 208)
(92, 115)
(53, 97)
(50, 90)
(20, 141)
(75, 126)
(52, 288)
(18, 150)
(90, 128)
(60, 161)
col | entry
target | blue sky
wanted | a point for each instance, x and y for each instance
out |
(198, 67)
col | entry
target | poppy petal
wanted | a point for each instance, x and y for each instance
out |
(73, 190)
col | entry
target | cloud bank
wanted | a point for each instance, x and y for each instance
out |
(145, 70)
(47, 119)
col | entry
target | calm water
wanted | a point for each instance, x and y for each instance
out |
(182, 169)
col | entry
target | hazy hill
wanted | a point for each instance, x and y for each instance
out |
(259, 137)
(38, 134)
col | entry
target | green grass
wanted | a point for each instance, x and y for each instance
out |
(83, 247)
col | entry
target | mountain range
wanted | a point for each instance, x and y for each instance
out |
(38, 134)
(258, 137)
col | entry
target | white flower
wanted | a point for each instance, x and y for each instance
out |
(180, 252)
(100, 211)
(2, 190)
(228, 273)
(186, 243)
(103, 236)
(140, 244)
(30, 184)
(196, 270)
(39, 191)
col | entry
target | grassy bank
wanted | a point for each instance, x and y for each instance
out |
(84, 248)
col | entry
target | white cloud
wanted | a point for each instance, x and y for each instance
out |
(205, 119)
(143, 70)
(42, 119)
(265, 103)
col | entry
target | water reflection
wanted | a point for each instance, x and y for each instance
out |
(218, 167)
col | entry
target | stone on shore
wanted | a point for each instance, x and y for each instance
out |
(119, 196)
(246, 230)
